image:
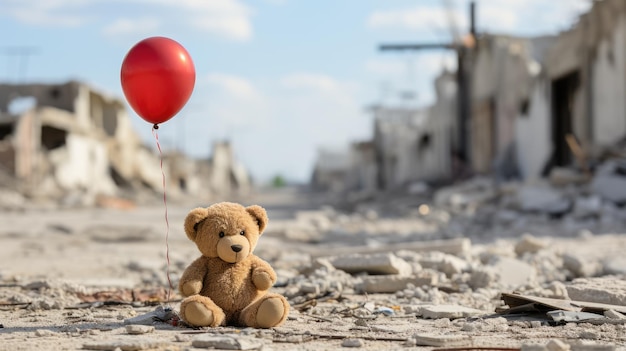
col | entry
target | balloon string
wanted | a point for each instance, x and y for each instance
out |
(167, 222)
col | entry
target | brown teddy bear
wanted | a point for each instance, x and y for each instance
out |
(228, 284)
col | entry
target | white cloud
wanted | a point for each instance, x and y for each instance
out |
(54, 13)
(510, 16)
(230, 19)
(126, 26)
(234, 86)
(282, 119)
(422, 18)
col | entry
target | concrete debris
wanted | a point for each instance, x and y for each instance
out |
(159, 314)
(44, 332)
(393, 283)
(610, 182)
(605, 290)
(381, 263)
(542, 199)
(136, 329)
(581, 267)
(615, 265)
(457, 246)
(512, 272)
(446, 263)
(571, 316)
(134, 344)
(529, 244)
(441, 340)
(448, 311)
(352, 342)
(226, 342)
(614, 315)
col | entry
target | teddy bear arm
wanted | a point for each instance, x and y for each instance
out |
(263, 275)
(191, 280)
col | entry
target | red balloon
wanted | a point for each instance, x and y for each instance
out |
(157, 77)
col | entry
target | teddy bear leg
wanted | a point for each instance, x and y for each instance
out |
(269, 311)
(201, 311)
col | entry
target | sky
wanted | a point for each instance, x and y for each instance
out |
(279, 79)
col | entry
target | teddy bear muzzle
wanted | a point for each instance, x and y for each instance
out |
(233, 248)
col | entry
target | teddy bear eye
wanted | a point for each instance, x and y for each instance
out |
(221, 234)
(242, 232)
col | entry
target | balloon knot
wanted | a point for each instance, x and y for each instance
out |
(155, 126)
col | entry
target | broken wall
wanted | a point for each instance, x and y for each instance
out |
(533, 131)
(609, 87)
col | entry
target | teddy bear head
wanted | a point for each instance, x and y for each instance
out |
(226, 230)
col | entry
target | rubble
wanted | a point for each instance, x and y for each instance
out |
(381, 263)
(448, 311)
(605, 290)
(226, 342)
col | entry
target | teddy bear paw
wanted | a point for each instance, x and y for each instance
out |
(198, 315)
(271, 312)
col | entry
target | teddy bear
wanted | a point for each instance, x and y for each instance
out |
(228, 284)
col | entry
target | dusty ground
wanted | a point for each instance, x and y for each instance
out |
(67, 278)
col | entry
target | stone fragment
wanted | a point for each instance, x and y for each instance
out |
(392, 283)
(448, 264)
(226, 342)
(352, 342)
(587, 206)
(606, 290)
(512, 272)
(589, 335)
(481, 278)
(457, 246)
(615, 265)
(44, 332)
(544, 199)
(134, 344)
(381, 263)
(561, 176)
(614, 314)
(557, 345)
(136, 329)
(533, 347)
(159, 314)
(572, 316)
(448, 311)
(580, 267)
(441, 340)
(609, 184)
(529, 244)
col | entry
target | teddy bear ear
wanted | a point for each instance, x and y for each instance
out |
(192, 221)
(258, 213)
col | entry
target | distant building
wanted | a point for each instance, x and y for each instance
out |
(534, 100)
(331, 170)
(59, 139)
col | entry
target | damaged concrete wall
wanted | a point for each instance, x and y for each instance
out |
(397, 133)
(533, 131)
(331, 171)
(363, 170)
(609, 87)
(227, 175)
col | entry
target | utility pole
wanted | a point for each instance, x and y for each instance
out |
(464, 50)
(21, 53)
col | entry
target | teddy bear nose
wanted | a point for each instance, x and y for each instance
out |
(236, 248)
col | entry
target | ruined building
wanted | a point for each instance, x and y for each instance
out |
(537, 104)
(60, 139)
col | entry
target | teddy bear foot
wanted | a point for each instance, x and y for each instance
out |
(272, 312)
(200, 311)
(198, 315)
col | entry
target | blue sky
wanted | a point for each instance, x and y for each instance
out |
(279, 78)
